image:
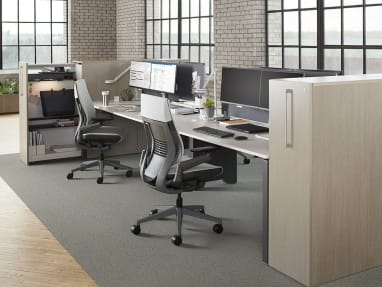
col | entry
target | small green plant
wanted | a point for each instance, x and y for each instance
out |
(8, 87)
(209, 103)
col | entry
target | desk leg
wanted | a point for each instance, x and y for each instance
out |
(265, 167)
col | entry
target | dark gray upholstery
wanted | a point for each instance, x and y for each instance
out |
(91, 134)
(164, 168)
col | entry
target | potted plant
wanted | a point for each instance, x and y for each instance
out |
(209, 108)
(9, 97)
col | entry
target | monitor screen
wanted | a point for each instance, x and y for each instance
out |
(57, 103)
(267, 75)
(163, 76)
(240, 86)
(184, 82)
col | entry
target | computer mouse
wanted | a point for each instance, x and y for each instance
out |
(240, 138)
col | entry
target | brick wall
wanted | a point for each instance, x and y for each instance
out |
(130, 29)
(239, 34)
(92, 32)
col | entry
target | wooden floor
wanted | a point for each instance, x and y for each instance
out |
(30, 256)
(9, 130)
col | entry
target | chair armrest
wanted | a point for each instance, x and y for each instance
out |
(89, 127)
(204, 148)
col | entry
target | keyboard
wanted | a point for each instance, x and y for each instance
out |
(248, 128)
(213, 132)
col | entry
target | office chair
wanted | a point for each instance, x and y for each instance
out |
(91, 134)
(164, 168)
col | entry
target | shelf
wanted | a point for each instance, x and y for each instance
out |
(49, 155)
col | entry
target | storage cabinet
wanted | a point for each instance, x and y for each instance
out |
(325, 176)
(43, 138)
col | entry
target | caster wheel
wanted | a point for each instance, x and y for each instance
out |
(176, 240)
(116, 168)
(202, 211)
(100, 180)
(135, 229)
(70, 175)
(129, 173)
(218, 228)
(246, 161)
(201, 184)
(153, 211)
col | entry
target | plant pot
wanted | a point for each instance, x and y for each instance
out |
(9, 103)
(209, 112)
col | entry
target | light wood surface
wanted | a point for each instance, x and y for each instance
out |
(254, 145)
(30, 255)
(10, 136)
(289, 184)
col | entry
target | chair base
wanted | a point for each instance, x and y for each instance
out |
(101, 163)
(179, 210)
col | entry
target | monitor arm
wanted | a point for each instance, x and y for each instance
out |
(117, 78)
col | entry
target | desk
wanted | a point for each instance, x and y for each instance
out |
(254, 145)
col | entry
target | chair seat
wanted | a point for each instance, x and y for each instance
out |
(103, 135)
(202, 172)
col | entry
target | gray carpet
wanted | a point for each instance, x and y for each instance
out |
(92, 222)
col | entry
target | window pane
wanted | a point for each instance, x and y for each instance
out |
(373, 1)
(333, 27)
(149, 9)
(274, 4)
(165, 52)
(205, 7)
(353, 62)
(205, 56)
(274, 29)
(332, 59)
(165, 8)
(185, 31)
(43, 10)
(374, 25)
(332, 3)
(212, 68)
(291, 58)
(291, 28)
(353, 27)
(26, 36)
(149, 32)
(309, 28)
(157, 52)
(352, 2)
(59, 54)
(290, 4)
(43, 55)
(374, 61)
(194, 57)
(275, 57)
(194, 30)
(59, 13)
(205, 30)
(150, 52)
(26, 10)
(309, 58)
(194, 8)
(184, 53)
(43, 34)
(174, 52)
(157, 9)
(174, 32)
(157, 35)
(212, 31)
(185, 8)
(27, 54)
(165, 32)
(308, 4)
(10, 34)
(10, 57)
(9, 12)
(174, 8)
(58, 34)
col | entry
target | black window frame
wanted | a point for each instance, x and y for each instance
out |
(321, 46)
(35, 45)
(179, 44)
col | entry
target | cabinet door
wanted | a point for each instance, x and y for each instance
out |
(289, 177)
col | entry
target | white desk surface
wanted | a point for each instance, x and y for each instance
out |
(254, 145)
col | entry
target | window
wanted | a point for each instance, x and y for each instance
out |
(34, 31)
(180, 29)
(331, 34)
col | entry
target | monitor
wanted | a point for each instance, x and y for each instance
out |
(184, 82)
(268, 74)
(57, 103)
(163, 77)
(240, 86)
(140, 75)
